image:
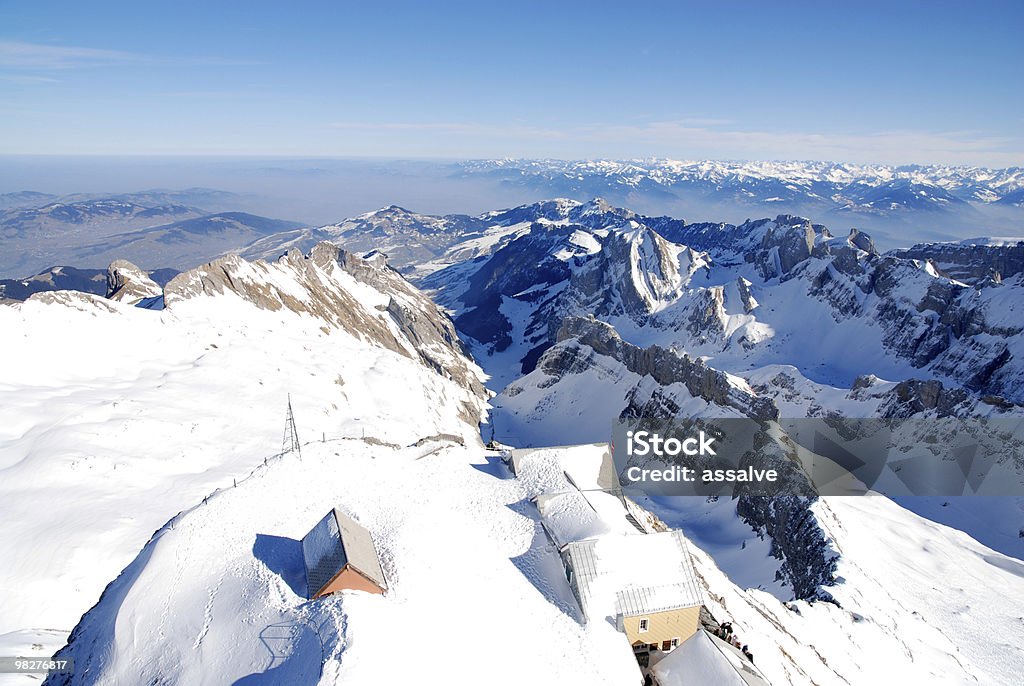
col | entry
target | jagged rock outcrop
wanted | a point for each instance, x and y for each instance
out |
(861, 241)
(128, 284)
(785, 244)
(915, 396)
(706, 315)
(325, 285)
(690, 286)
(664, 366)
(746, 295)
(808, 560)
(971, 261)
(635, 273)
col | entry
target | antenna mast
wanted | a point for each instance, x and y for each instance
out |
(290, 443)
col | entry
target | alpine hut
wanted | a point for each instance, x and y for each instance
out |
(339, 554)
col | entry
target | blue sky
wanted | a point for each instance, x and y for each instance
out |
(865, 82)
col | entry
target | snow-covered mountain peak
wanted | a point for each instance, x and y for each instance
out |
(128, 284)
(362, 296)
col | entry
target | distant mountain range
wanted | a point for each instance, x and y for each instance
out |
(152, 228)
(899, 206)
(842, 187)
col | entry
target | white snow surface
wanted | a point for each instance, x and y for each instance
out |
(116, 417)
(702, 659)
(220, 591)
(219, 594)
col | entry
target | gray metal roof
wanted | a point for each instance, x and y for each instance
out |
(644, 600)
(645, 575)
(359, 549)
(338, 540)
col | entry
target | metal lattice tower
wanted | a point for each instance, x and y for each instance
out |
(290, 443)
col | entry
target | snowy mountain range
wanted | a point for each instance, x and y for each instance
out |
(423, 337)
(849, 187)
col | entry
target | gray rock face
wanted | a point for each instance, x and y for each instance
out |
(808, 561)
(861, 241)
(664, 366)
(128, 284)
(632, 274)
(746, 295)
(915, 396)
(706, 314)
(413, 326)
(785, 245)
(971, 262)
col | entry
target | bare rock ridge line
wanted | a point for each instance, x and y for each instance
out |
(418, 328)
(664, 366)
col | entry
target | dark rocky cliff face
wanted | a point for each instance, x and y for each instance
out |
(664, 366)
(970, 263)
(808, 561)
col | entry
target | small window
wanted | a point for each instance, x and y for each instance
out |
(675, 642)
(643, 625)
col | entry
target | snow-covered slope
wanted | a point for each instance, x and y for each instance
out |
(918, 602)
(475, 591)
(116, 416)
(219, 592)
(581, 313)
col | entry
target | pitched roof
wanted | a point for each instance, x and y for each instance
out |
(338, 540)
(633, 574)
(707, 659)
(644, 600)
(574, 515)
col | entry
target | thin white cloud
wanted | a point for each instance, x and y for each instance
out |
(45, 57)
(19, 55)
(27, 78)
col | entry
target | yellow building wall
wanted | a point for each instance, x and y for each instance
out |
(663, 626)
